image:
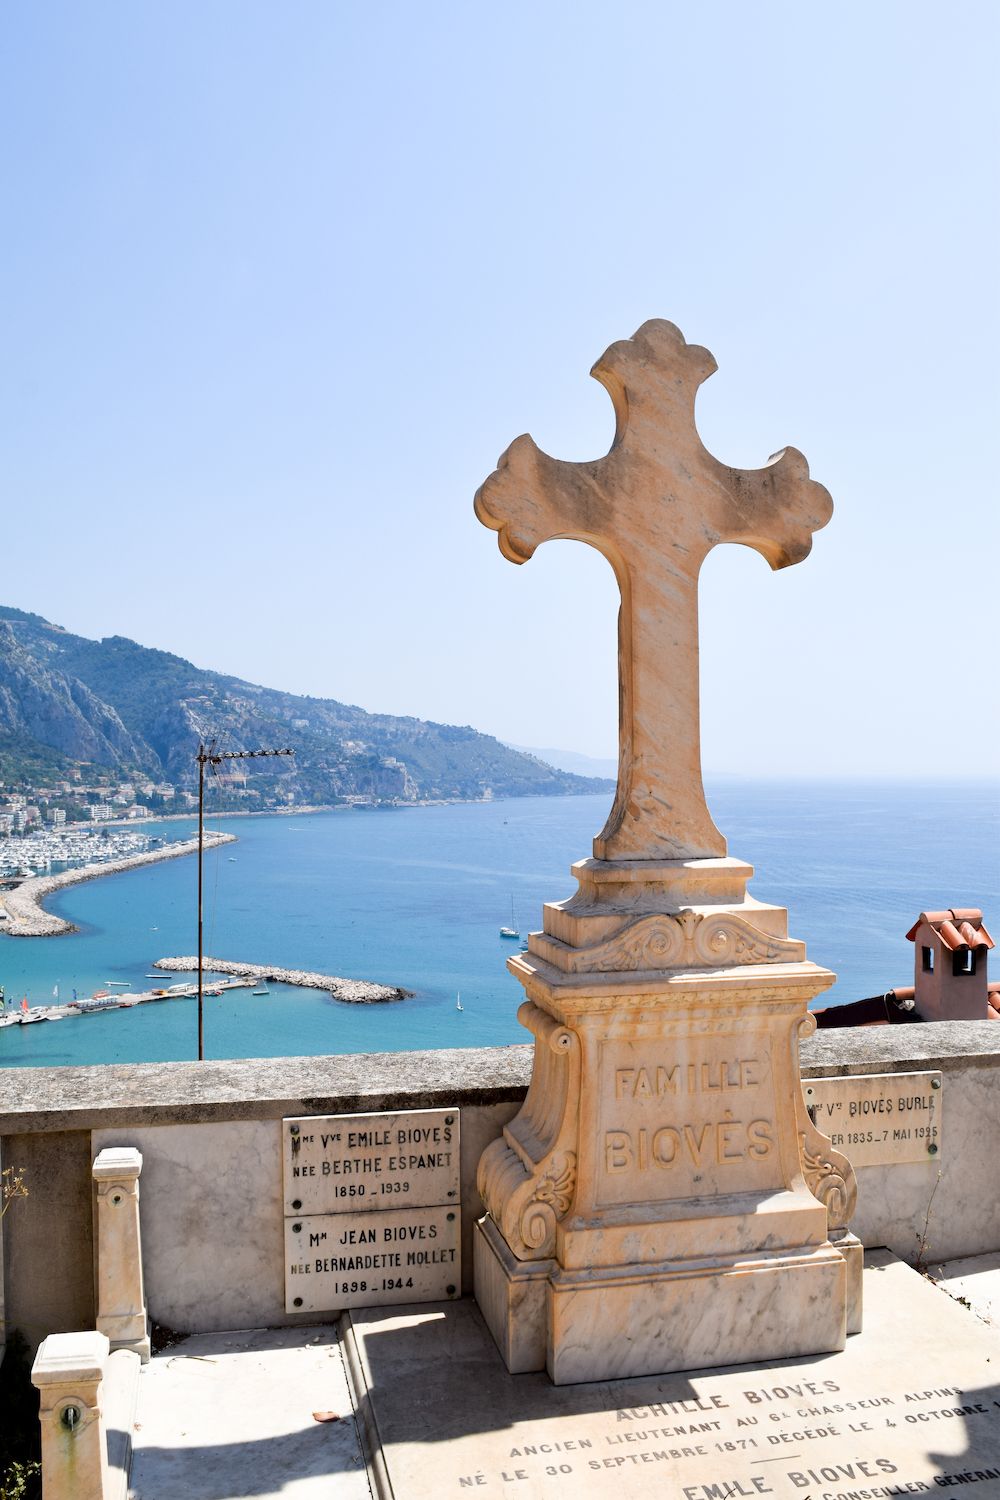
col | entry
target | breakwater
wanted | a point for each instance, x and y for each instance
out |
(351, 991)
(22, 905)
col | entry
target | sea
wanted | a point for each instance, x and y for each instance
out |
(417, 896)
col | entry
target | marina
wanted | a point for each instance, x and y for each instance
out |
(30, 1015)
(224, 976)
(21, 906)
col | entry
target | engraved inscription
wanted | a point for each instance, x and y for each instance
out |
(679, 1124)
(880, 1119)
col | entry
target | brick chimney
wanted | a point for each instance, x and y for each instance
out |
(949, 972)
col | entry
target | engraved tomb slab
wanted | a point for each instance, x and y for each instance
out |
(910, 1407)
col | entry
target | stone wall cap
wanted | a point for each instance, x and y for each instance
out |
(64, 1358)
(115, 1162)
(122, 1095)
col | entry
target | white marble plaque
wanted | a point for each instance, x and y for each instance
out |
(879, 1119)
(335, 1261)
(342, 1163)
(910, 1407)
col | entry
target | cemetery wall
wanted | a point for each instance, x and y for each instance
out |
(211, 1188)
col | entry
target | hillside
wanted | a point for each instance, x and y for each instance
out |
(67, 702)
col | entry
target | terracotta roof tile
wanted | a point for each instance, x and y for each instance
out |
(959, 927)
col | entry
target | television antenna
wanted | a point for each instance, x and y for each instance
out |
(209, 756)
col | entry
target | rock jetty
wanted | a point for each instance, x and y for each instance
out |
(351, 991)
(23, 904)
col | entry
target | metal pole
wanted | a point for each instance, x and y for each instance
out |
(201, 922)
(214, 758)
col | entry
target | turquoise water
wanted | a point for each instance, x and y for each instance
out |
(416, 897)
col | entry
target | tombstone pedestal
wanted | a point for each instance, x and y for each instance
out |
(663, 1201)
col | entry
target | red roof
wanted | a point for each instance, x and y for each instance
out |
(958, 927)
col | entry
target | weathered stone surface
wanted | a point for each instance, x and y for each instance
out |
(68, 1373)
(655, 506)
(121, 1301)
(39, 1099)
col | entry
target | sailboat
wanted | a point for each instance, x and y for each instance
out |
(261, 989)
(458, 1002)
(511, 931)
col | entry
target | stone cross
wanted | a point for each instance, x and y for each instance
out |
(655, 506)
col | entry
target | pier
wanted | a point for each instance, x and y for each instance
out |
(235, 977)
(351, 991)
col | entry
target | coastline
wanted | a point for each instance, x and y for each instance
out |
(351, 991)
(26, 916)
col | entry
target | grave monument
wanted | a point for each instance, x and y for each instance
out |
(663, 1200)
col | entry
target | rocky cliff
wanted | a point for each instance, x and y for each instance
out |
(116, 704)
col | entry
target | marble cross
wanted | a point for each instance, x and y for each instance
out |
(655, 506)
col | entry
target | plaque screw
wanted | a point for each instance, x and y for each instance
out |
(296, 1228)
(293, 1129)
(932, 1150)
(450, 1218)
(451, 1192)
(450, 1290)
(449, 1119)
(297, 1302)
(935, 1083)
(296, 1204)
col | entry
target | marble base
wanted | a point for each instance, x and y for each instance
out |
(628, 1320)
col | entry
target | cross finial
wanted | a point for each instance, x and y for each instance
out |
(655, 506)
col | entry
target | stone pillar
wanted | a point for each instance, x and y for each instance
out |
(68, 1371)
(121, 1299)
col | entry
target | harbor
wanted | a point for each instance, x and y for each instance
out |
(220, 974)
(21, 911)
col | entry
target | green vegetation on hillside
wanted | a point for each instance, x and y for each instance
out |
(131, 709)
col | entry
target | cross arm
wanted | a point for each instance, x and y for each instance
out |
(532, 498)
(775, 509)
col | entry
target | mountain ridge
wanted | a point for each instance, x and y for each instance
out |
(114, 704)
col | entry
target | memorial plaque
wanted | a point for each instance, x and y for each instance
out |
(340, 1163)
(879, 1119)
(365, 1259)
(910, 1407)
(372, 1213)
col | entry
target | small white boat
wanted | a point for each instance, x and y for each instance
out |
(262, 991)
(458, 1003)
(511, 931)
(118, 984)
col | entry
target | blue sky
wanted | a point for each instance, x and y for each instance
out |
(281, 282)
